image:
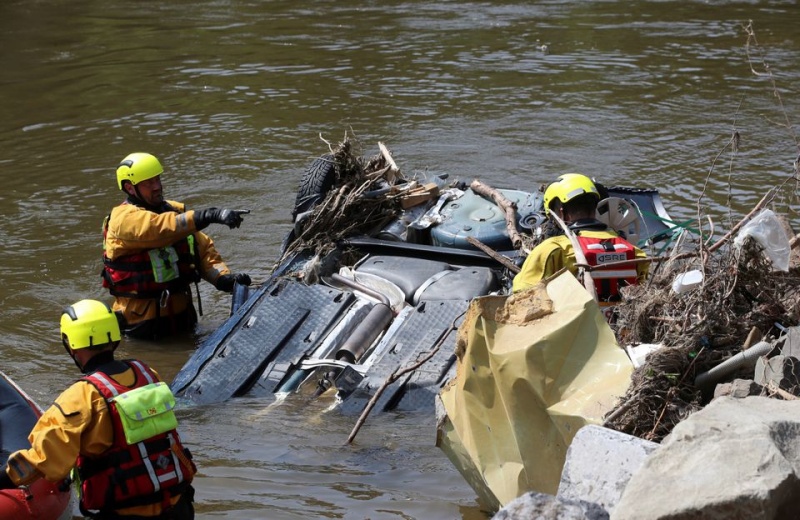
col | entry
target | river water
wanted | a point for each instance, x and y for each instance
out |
(236, 97)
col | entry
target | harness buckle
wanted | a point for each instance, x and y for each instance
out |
(164, 298)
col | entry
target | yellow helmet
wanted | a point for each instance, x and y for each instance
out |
(567, 187)
(138, 167)
(88, 323)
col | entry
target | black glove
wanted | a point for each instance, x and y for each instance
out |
(230, 217)
(5, 481)
(226, 281)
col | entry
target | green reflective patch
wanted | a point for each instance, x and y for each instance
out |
(146, 411)
(165, 264)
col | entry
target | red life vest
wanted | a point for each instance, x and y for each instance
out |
(609, 280)
(133, 276)
(148, 472)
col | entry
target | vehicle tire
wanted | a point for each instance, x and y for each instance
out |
(316, 182)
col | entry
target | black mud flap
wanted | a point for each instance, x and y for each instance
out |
(285, 319)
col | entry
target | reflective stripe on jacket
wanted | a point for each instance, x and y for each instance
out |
(152, 471)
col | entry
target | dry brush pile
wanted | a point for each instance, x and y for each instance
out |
(741, 300)
(359, 201)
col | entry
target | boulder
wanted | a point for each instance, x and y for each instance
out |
(739, 388)
(734, 459)
(599, 464)
(542, 506)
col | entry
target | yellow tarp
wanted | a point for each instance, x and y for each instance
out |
(533, 368)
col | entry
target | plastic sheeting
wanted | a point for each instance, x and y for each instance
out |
(533, 368)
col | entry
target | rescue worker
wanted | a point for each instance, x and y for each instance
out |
(154, 250)
(574, 197)
(115, 425)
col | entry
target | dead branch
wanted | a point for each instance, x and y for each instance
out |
(766, 199)
(508, 207)
(775, 389)
(511, 266)
(387, 156)
(397, 374)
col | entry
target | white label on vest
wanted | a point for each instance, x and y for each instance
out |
(606, 258)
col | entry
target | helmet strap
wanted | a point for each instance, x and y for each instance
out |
(71, 354)
(139, 202)
(134, 198)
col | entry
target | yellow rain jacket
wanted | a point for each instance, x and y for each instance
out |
(557, 253)
(78, 422)
(131, 230)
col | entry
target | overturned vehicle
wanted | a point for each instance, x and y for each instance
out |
(375, 279)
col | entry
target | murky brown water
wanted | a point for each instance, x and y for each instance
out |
(233, 96)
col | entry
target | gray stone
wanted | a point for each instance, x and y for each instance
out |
(734, 459)
(781, 371)
(739, 388)
(599, 463)
(548, 507)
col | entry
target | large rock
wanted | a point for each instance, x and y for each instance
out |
(735, 459)
(599, 464)
(541, 506)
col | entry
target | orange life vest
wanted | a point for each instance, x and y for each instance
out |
(136, 275)
(609, 280)
(148, 472)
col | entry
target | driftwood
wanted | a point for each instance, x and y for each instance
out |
(508, 207)
(511, 266)
(387, 156)
(397, 374)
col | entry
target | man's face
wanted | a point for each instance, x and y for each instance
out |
(150, 191)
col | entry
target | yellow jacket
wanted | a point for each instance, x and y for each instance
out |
(557, 253)
(78, 422)
(132, 229)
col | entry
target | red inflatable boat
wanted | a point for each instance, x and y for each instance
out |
(43, 500)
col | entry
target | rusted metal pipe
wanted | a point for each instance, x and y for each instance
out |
(365, 333)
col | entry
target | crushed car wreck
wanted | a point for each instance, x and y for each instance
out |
(376, 277)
